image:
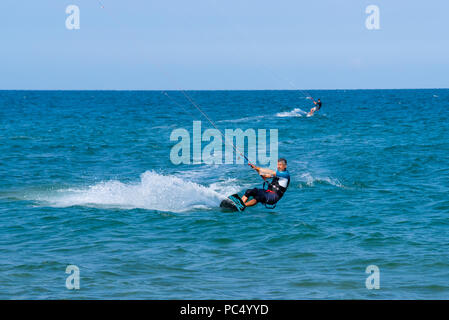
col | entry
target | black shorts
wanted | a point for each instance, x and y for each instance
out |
(262, 195)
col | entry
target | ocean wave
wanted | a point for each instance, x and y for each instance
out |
(309, 181)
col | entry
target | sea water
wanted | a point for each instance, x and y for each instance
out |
(86, 180)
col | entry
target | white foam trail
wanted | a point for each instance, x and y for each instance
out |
(246, 119)
(153, 192)
(297, 112)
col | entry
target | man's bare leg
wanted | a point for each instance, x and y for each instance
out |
(250, 203)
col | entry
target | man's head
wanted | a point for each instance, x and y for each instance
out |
(282, 164)
(319, 100)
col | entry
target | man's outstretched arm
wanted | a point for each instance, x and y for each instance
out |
(264, 172)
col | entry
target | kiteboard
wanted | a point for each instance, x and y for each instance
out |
(233, 203)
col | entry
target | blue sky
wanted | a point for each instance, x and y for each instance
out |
(173, 44)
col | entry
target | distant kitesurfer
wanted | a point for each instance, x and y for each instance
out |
(316, 108)
(275, 190)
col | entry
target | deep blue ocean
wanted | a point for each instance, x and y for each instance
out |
(86, 180)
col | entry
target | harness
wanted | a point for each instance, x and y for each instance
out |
(276, 187)
(265, 187)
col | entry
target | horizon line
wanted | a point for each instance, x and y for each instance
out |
(289, 89)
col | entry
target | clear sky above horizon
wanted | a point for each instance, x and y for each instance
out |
(217, 44)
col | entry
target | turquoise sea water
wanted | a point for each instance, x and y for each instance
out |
(86, 180)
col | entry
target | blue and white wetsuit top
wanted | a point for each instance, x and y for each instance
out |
(280, 183)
